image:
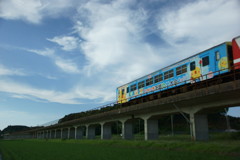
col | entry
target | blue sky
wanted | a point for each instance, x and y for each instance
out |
(64, 56)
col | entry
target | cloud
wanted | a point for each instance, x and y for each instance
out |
(34, 11)
(201, 22)
(113, 37)
(66, 65)
(10, 72)
(67, 43)
(21, 9)
(46, 52)
(75, 95)
(20, 90)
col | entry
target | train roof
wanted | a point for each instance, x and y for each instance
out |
(227, 42)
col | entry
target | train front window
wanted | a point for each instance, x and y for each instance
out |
(192, 66)
(205, 61)
(127, 89)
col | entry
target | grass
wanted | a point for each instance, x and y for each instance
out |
(165, 148)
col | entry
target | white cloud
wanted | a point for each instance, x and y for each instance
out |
(201, 22)
(21, 9)
(10, 72)
(46, 52)
(75, 95)
(112, 36)
(34, 10)
(66, 65)
(20, 90)
(67, 43)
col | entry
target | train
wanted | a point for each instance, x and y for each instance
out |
(220, 59)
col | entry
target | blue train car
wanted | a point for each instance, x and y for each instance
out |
(199, 67)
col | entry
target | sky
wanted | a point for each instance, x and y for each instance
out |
(64, 56)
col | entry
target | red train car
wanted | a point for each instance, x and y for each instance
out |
(236, 52)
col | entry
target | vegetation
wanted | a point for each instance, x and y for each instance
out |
(16, 128)
(170, 147)
(73, 116)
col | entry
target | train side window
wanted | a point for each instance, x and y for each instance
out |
(168, 74)
(149, 81)
(182, 69)
(179, 70)
(217, 55)
(140, 84)
(127, 89)
(133, 87)
(205, 61)
(171, 73)
(158, 78)
(192, 66)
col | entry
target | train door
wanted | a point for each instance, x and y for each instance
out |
(122, 98)
(205, 65)
(217, 57)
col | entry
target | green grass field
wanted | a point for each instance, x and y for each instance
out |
(162, 149)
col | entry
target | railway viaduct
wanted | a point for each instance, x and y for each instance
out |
(197, 102)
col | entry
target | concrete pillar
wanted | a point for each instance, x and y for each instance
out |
(127, 129)
(199, 126)
(61, 133)
(50, 134)
(106, 131)
(150, 128)
(72, 133)
(78, 132)
(68, 133)
(55, 135)
(90, 131)
(76, 127)
(65, 133)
